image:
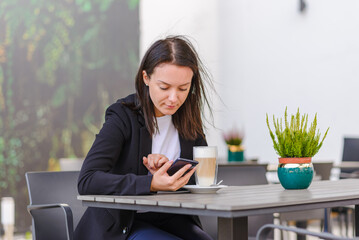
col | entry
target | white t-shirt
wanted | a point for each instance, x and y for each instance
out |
(166, 141)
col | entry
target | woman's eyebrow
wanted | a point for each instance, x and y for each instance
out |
(185, 84)
(170, 84)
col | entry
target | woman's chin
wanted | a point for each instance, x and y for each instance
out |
(169, 111)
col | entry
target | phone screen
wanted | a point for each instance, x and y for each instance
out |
(180, 163)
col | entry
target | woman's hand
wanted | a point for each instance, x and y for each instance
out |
(154, 161)
(161, 181)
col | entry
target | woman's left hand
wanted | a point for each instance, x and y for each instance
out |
(153, 162)
(161, 181)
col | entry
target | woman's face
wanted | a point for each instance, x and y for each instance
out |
(168, 85)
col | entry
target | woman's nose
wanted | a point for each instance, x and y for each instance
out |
(173, 96)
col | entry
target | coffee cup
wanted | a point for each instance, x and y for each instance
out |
(206, 172)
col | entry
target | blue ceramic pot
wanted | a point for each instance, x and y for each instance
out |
(295, 175)
(235, 153)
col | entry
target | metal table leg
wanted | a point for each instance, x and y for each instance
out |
(327, 220)
(233, 228)
(356, 221)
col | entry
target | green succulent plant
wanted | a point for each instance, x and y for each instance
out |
(295, 139)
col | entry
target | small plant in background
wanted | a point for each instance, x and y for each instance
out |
(295, 139)
(233, 137)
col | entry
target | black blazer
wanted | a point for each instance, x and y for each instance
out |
(114, 166)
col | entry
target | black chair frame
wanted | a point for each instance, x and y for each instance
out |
(54, 209)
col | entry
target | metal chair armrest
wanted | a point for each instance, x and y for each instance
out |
(67, 213)
(265, 229)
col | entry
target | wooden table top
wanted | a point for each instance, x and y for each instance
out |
(236, 201)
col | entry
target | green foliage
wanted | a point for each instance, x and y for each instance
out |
(234, 141)
(233, 137)
(295, 139)
(61, 64)
(132, 4)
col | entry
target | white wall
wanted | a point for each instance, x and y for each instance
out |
(285, 58)
(266, 55)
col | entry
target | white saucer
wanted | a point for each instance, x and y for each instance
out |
(198, 189)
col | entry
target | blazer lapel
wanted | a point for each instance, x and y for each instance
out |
(186, 148)
(187, 152)
(145, 146)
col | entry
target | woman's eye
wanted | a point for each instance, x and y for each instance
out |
(163, 88)
(183, 89)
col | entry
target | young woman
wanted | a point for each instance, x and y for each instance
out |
(142, 135)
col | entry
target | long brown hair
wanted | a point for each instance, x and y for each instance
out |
(176, 50)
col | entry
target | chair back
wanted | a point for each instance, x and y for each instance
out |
(350, 152)
(351, 149)
(53, 188)
(323, 169)
(237, 175)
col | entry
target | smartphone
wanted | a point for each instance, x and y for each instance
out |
(180, 163)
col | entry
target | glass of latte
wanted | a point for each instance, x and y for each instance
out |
(206, 172)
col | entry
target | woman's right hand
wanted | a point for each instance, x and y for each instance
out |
(161, 181)
(153, 162)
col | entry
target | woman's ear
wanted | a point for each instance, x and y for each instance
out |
(145, 77)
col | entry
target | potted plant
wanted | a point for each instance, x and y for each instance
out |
(296, 144)
(234, 139)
